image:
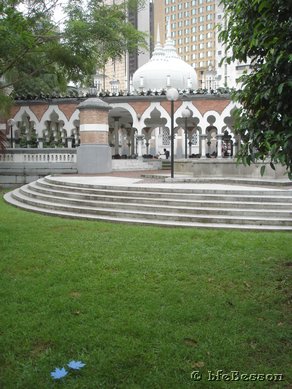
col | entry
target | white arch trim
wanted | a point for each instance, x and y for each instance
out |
(48, 113)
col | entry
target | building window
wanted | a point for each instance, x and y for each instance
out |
(195, 139)
(165, 136)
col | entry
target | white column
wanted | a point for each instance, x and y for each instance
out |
(219, 146)
(203, 138)
(116, 134)
(40, 143)
(69, 142)
(132, 141)
(140, 139)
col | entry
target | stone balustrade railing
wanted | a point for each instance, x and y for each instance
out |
(39, 156)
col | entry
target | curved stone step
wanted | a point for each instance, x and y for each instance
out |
(149, 215)
(158, 192)
(144, 199)
(158, 205)
(150, 206)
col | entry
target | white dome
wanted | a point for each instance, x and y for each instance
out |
(165, 69)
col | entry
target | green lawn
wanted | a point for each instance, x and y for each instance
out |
(143, 307)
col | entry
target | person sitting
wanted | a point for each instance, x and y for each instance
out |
(166, 153)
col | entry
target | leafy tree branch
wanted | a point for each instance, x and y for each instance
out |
(261, 30)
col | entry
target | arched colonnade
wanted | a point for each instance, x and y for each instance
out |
(136, 126)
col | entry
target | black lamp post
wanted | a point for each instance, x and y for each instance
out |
(11, 123)
(172, 95)
(186, 113)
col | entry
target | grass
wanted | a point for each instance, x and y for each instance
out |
(143, 307)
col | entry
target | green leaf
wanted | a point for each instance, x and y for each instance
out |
(280, 88)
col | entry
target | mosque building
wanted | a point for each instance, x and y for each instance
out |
(136, 125)
(165, 69)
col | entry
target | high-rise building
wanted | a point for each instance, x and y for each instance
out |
(117, 74)
(193, 30)
(227, 74)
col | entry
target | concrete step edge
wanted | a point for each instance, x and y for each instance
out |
(148, 222)
(153, 207)
(18, 196)
(174, 201)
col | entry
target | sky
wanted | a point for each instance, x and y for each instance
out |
(59, 15)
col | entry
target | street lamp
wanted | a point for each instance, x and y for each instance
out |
(186, 113)
(172, 95)
(11, 123)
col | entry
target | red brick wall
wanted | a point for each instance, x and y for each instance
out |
(140, 106)
(68, 109)
(92, 116)
(39, 110)
(211, 105)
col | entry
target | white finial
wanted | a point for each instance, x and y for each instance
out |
(169, 48)
(158, 53)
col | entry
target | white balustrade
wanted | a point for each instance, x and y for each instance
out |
(39, 156)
